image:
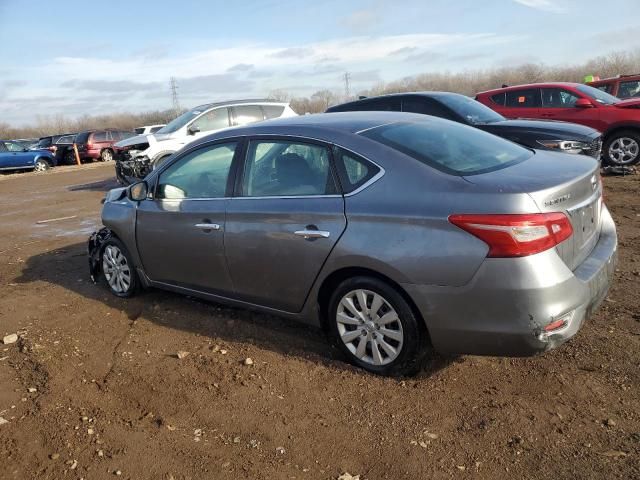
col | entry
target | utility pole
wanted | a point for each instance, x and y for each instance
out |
(347, 87)
(174, 95)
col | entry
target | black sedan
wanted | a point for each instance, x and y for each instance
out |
(540, 134)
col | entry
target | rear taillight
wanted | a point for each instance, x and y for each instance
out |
(516, 235)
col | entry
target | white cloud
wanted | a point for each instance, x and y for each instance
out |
(221, 73)
(544, 5)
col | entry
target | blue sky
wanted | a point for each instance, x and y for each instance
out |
(74, 57)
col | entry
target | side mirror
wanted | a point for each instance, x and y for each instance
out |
(193, 129)
(583, 103)
(138, 191)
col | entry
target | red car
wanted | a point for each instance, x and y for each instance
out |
(98, 144)
(622, 86)
(618, 120)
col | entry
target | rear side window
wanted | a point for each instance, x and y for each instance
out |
(45, 142)
(353, 170)
(2, 147)
(139, 130)
(213, 120)
(245, 114)
(82, 137)
(529, 98)
(67, 139)
(425, 106)
(273, 111)
(498, 98)
(450, 147)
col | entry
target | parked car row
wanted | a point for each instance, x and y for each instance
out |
(137, 156)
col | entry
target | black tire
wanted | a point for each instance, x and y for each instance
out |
(413, 346)
(41, 165)
(619, 142)
(118, 288)
(106, 155)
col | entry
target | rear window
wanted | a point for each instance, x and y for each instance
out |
(82, 137)
(450, 147)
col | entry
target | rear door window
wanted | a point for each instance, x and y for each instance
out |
(529, 98)
(100, 137)
(287, 168)
(82, 137)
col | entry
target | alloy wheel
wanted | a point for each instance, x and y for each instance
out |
(116, 269)
(623, 150)
(369, 327)
(40, 166)
(107, 156)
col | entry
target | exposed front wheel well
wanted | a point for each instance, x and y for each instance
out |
(336, 278)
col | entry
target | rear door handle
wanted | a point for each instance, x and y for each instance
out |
(207, 226)
(308, 234)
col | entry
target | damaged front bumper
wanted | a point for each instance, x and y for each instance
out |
(94, 250)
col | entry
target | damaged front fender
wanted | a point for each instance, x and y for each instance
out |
(94, 250)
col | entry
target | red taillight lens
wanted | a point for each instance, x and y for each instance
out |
(516, 235)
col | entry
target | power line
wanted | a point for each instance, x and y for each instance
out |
(174, 95)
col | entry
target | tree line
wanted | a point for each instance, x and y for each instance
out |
(466, 82)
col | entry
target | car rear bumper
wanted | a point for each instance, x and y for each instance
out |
(504, 309)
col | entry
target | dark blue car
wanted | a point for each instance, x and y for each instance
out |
(14, 156)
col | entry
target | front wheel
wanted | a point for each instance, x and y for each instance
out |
(374, 326)
(118, 269)
(622, 148)
(41, 165)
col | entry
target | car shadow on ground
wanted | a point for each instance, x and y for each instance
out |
(100, 186)
(68, 267)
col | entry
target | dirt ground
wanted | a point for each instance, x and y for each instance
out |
(93, 388)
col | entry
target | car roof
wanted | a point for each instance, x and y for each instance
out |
(226, 103)
(428, 94)
(348, 122)
(531, 85)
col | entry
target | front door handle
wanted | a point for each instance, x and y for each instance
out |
(308, 234)
(207, 226)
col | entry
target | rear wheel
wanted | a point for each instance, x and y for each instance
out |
(117, 269)
(375, 327)
(622, 148)
(41, 165)
(106, 155)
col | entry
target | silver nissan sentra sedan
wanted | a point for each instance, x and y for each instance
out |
(397, 232)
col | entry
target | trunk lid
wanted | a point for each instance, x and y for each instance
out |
(557, 182)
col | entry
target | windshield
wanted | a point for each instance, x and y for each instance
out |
(450, 147)
(471, 110)
(598, 95)
(181, 121)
